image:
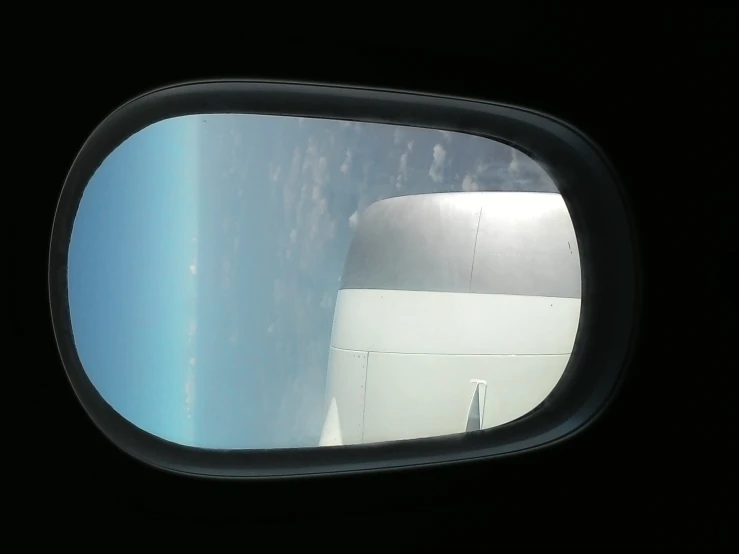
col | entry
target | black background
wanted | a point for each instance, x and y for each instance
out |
(656, 473)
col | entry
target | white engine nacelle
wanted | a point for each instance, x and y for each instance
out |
(456, 311)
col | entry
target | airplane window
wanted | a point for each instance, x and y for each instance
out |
(246, 281)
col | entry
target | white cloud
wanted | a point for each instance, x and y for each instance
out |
(347, 165)
(190, 390)
(326, 302)
(404, 163)
(469, 184)
(309, 155)
(436, 171)
(306, 205)
(320, 175)
(193, 269)
(402, 171)
(314, 164)
(354, 220)
(316, 194)
(275, 172)
(514, 166)
(447, 135)
(292, 184)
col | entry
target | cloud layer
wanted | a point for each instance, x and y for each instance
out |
(320, 176)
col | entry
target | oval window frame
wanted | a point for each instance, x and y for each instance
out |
(606, 234)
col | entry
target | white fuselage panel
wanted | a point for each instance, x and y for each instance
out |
(403, 364)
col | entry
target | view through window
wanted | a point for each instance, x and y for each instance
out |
(208, 254)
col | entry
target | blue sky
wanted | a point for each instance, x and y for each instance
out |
(131, 292)
(206, 256)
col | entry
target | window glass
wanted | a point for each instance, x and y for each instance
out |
(245, 281)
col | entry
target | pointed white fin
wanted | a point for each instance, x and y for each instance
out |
(476, 413)
(331, 433)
